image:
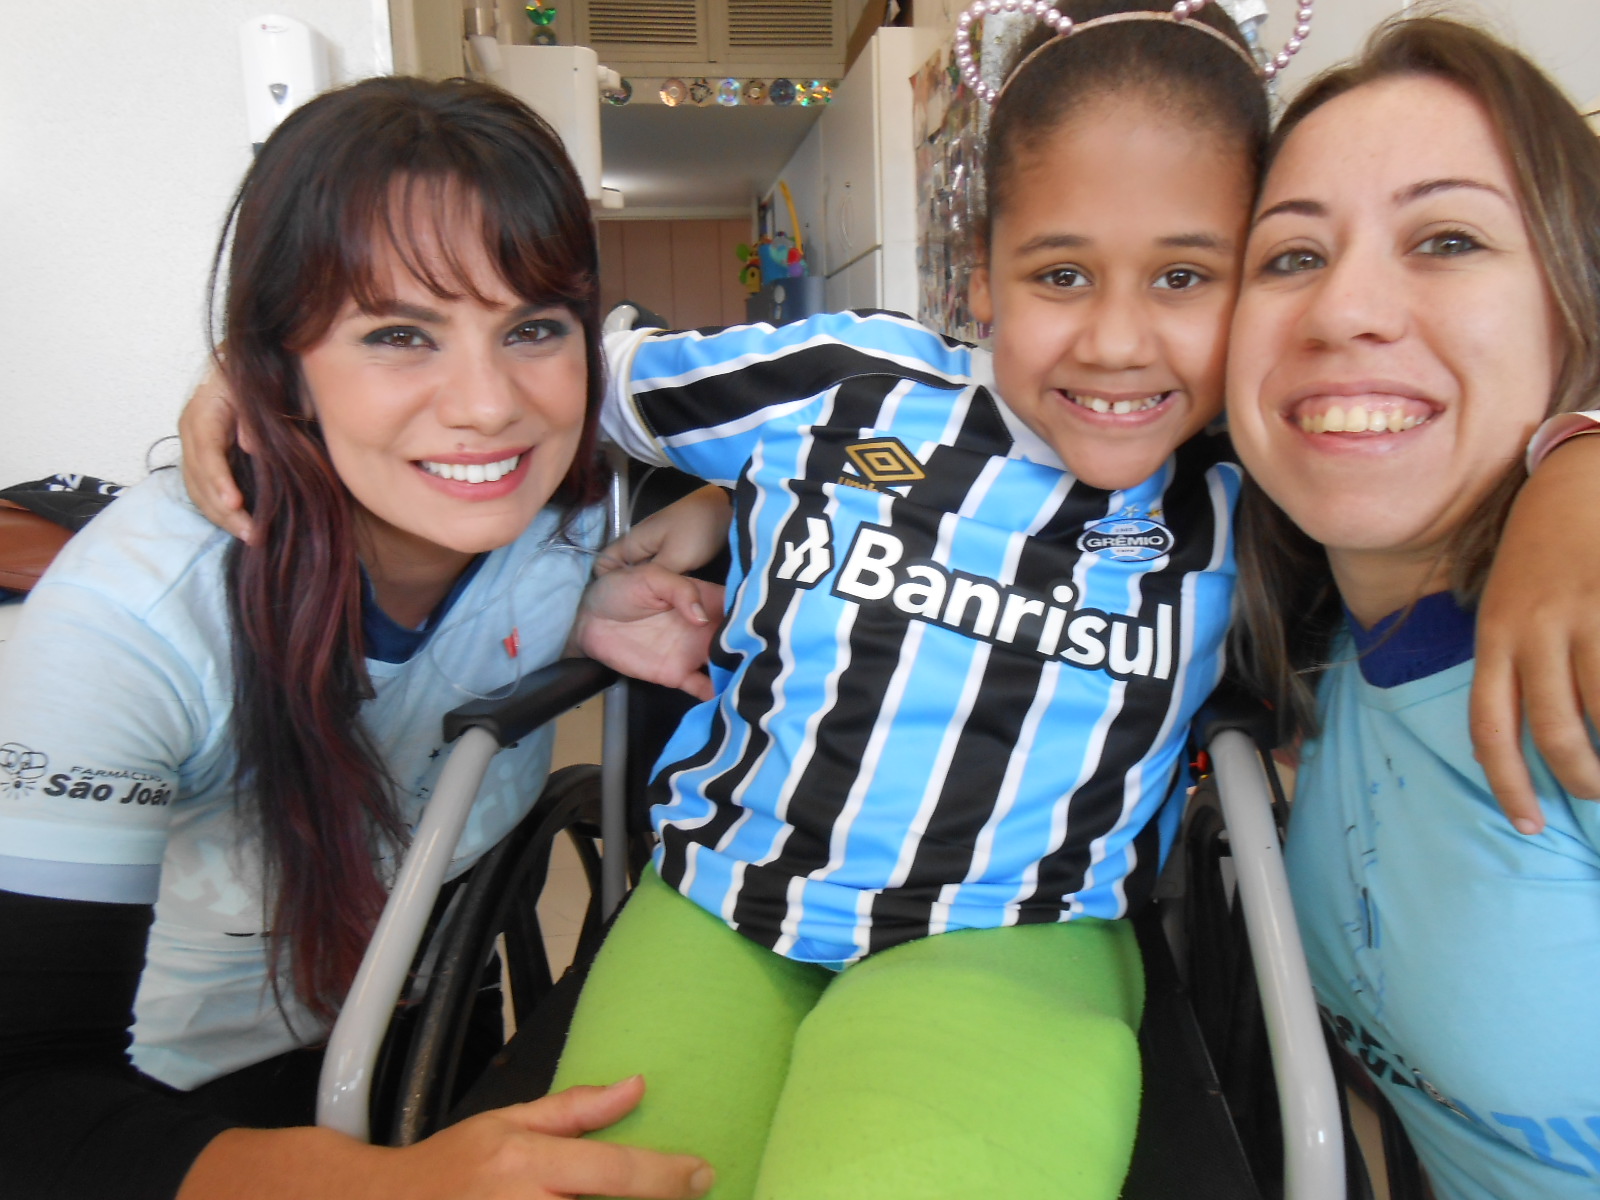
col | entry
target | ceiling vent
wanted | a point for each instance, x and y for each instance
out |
(716, 37)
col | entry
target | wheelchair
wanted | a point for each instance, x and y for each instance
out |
(1240, 1098)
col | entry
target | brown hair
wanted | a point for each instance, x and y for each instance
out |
(1194, 77)
(1288, 605)
(349, 172)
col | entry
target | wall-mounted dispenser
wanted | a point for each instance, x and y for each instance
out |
(285, 64)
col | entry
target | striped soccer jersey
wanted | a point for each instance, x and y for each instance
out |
(954, 683)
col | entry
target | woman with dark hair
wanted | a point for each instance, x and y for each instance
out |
(221, 747)
(1422, 289)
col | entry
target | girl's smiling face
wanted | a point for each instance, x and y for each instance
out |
(1111, 273)
(1395, 341)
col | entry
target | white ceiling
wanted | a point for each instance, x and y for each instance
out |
(713, 158)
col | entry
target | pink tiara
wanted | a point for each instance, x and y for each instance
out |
(1066, 27)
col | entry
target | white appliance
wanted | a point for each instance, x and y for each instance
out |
(561, 84)
(854, 180)
(285, 64)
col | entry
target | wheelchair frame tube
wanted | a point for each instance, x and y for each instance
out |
(614, 799)
(614, 730)
(344, 1089)
(1308, 1096)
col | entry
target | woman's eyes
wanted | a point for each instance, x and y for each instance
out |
(1445, 245)
(1449, 244)
(402, 337)
(542, 330)
(1293, 262)
(409, 337)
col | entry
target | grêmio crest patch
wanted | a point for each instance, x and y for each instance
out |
(1126, 538)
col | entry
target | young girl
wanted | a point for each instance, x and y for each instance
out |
(213, 751)
(973, 608)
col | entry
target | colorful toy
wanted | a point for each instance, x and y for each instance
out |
(750, 267)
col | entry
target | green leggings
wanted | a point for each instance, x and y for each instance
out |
(993, 1062)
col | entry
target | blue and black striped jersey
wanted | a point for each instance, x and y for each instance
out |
(954, 684)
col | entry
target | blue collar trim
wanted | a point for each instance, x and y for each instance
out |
(391, 642)
(1434, 635)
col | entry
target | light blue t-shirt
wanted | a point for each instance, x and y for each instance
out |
(116, 768)
(1458, 960)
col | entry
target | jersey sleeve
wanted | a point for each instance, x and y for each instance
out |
(98, 713)
(699, 399)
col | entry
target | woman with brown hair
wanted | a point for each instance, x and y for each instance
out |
(1422, 289)
(227, 743)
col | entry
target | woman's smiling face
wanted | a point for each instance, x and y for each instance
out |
(452, 420)
(1395, 341)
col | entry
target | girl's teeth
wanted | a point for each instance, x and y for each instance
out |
(1100, 404)
(474, 473)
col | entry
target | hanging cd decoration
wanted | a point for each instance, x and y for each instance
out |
(545, 37)
(618, 95)
(816, 91)
(541, 14)
(728, 92)
(782, 92)
(674, 92)
(700, 92)
(755, 91)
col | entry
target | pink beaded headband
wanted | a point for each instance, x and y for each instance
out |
(1066, 27)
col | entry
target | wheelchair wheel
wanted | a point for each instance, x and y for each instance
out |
(499, 897)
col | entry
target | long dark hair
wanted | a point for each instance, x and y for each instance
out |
(1288, 604)
(1192, 76)
(347, 174)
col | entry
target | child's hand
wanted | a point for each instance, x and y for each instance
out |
(681, 537)
(208, 428)
(651, 624)
(1539, 636)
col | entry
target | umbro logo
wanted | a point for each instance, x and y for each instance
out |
(884, 463)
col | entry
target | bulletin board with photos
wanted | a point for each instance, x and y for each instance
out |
(947, 122)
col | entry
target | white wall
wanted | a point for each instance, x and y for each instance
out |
(122, 138)
(1563, 36)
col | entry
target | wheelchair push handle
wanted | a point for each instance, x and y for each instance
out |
(539, 699)
(1308, 1095)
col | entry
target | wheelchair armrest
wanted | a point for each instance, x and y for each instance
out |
(1233, 707)
(537, 700)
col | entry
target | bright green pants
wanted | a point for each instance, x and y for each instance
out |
(994, 1062)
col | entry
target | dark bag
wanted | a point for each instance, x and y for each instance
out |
(38, 518)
